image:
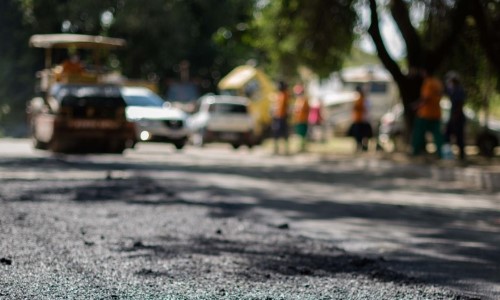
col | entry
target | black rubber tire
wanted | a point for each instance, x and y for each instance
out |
(39, 145)
(179, 145)
(199, 138)
(486, 142)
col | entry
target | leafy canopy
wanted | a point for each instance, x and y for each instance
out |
(315, 33)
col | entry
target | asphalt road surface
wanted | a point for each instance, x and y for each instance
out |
(215, 223)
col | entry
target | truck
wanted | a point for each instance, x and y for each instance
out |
(79, 109)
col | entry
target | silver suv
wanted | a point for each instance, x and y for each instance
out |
(222, 118)
(155, 119)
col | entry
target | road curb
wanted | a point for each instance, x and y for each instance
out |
(482, 179)
(477, 177)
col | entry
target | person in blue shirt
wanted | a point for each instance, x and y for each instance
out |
(456, 124)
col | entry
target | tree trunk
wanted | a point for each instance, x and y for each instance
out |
(419, 58)
(409, 89)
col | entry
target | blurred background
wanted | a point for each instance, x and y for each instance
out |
(185, 47)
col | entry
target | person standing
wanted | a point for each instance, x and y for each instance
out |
(72, 65)
(456, 124)
(279, 124)
(315, 120)
(428, 118)
(360, 129)
(301, 115)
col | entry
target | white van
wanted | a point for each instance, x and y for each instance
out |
(381, 91)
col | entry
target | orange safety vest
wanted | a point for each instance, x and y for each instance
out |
(430, 94)
(301, 110)
(281, 105)
(70, 67)
(359, 110)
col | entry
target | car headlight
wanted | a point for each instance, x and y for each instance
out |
(144, 135)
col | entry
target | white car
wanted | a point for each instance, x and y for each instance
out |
(155, 119)
(222, 118)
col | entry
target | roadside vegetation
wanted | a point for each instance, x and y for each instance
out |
(495, 106)
(210, 38)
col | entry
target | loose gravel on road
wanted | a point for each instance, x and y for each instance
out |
(76, 231)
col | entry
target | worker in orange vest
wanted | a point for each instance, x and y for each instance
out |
(301, 115)
(428, 117)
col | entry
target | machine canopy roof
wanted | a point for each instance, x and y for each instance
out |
(79, 41)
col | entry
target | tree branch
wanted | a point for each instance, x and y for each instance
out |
(436, 57)
(384, 56)
(490, 43)
(401, 15)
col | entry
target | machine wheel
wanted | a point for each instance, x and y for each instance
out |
(198, 138)
(116, 147)
(486, 142)
(179, 145)
(38, 144)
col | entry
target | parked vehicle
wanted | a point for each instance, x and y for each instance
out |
(377, 83)
(339, 93)
(81, 118)
(222, 118)
(250, 82)
(155, 119)
(76, 109)
(392, 130)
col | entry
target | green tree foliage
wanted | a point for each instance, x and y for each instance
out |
(16, 65)
(162, 34)
(486, 15)
(55, 16)
(487, 19)
(476, 72)
(314, 33)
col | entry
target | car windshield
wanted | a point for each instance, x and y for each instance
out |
(93, 101)
(149, 100)
(61, 91)
(228, 108)
(374, 87)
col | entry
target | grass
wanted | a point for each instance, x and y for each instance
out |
(333, 145)
(495, 107)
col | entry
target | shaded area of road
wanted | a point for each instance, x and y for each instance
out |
(437, 233)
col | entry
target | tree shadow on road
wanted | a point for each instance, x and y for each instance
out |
(442, 240)
(285, 256)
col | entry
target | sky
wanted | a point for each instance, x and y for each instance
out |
(392, 39)
(391, 35)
